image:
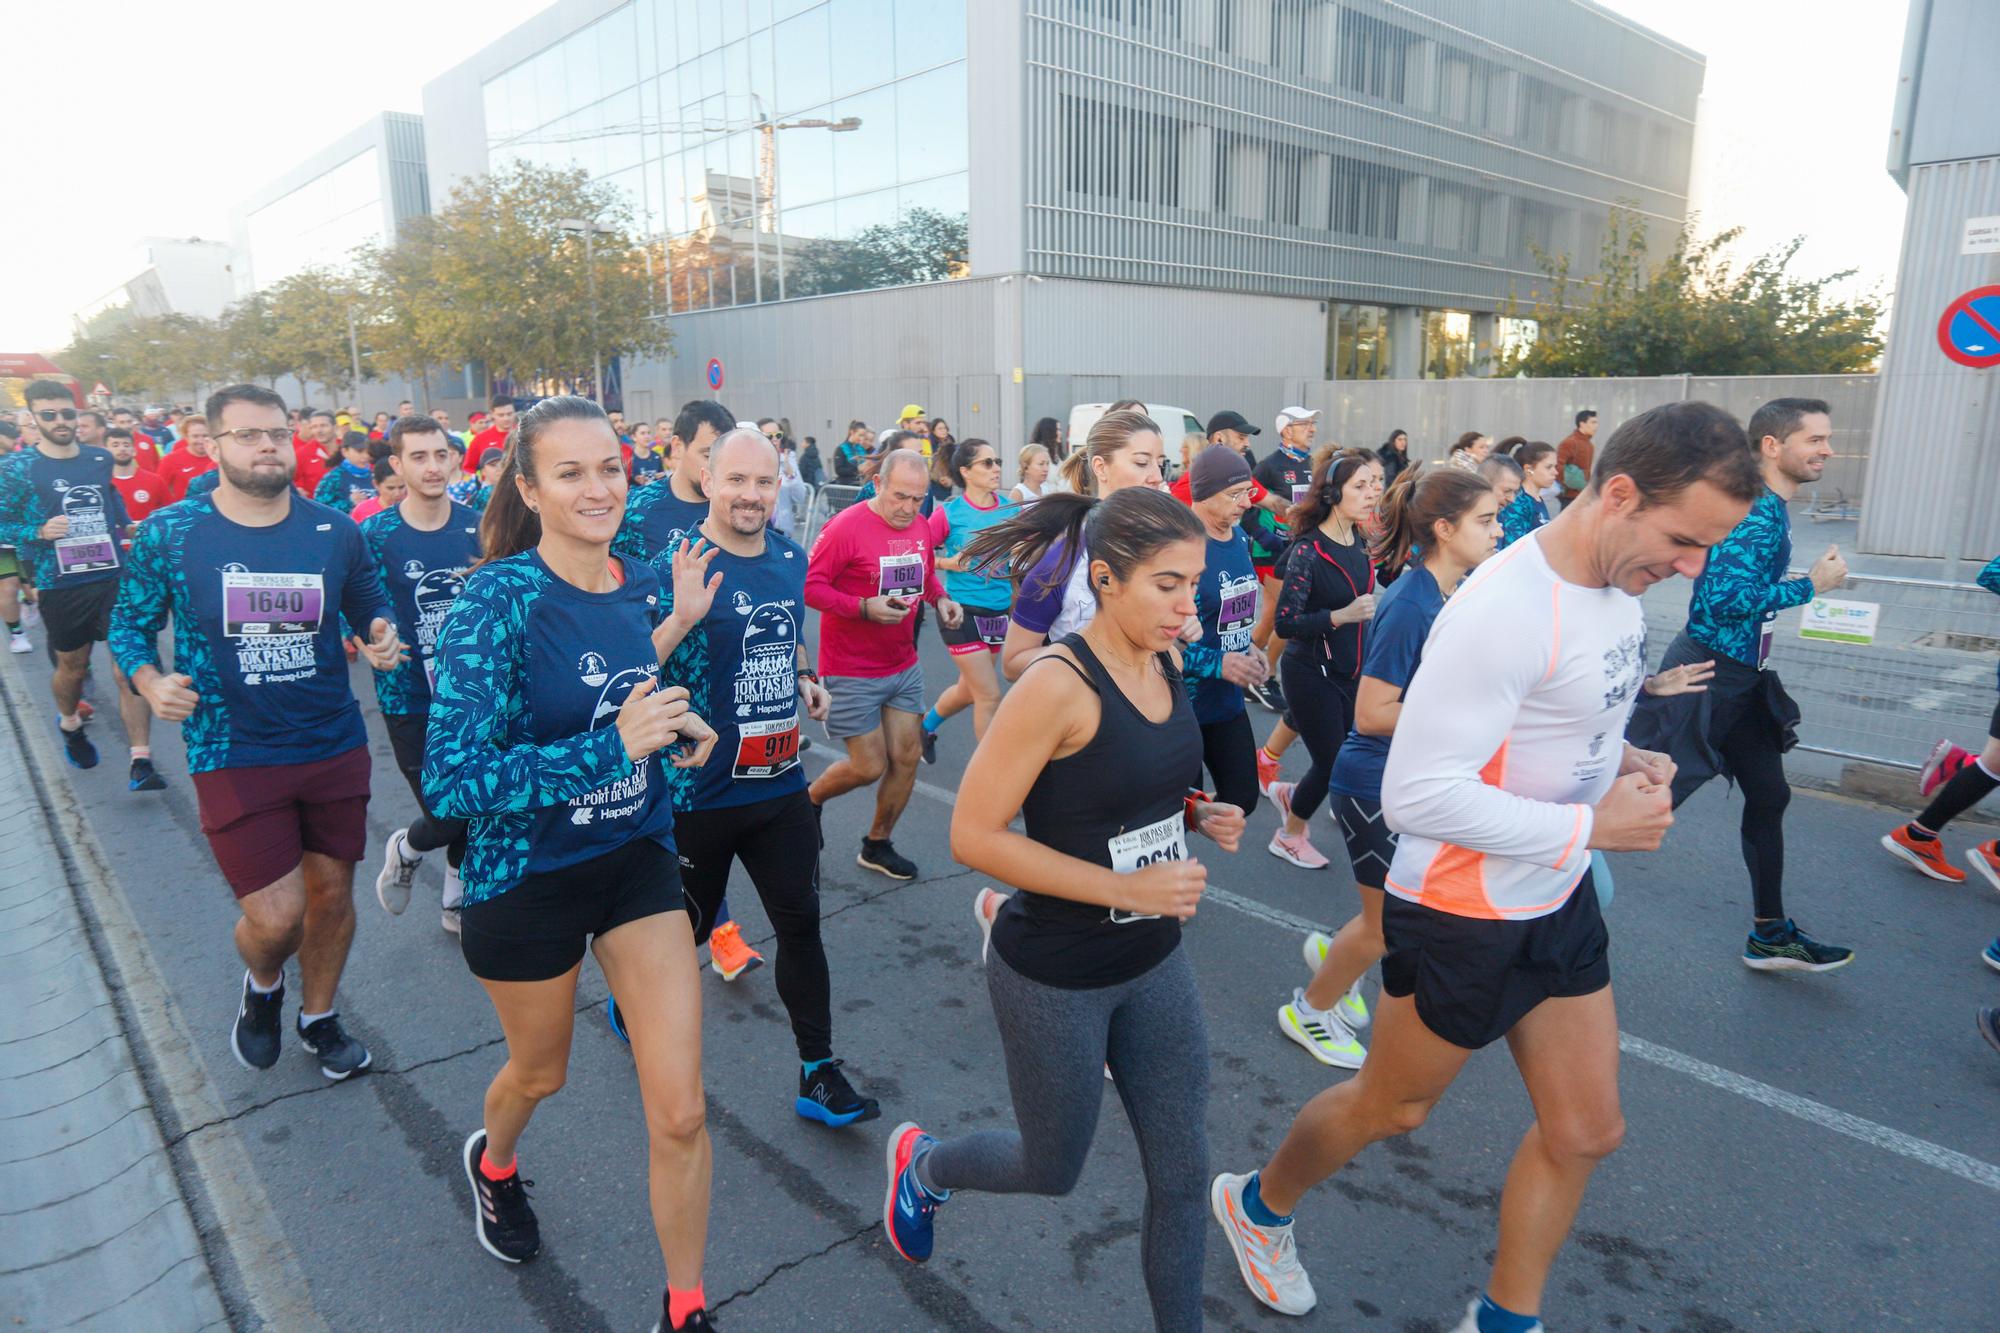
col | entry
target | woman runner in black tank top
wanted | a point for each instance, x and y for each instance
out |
(1096, 748)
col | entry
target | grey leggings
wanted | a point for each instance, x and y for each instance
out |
(1150, 1030)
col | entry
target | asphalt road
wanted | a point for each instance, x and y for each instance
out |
(1803, 1153)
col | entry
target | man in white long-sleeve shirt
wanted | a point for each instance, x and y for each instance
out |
(1508, 765)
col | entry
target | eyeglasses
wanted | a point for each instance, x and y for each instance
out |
(58, 414)
(984, 462)
(252, 436)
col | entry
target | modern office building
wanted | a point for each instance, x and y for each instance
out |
(998, 207)
(180, 276)
(355, 190)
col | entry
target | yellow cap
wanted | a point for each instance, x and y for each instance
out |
(910, 410)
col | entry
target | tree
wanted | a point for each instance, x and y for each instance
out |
(308, 314)
(923, 245)
(1692, 312)
(249, 337)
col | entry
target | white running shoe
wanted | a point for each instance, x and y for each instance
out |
(1470, 1324)
(1265, 1256)
(1352, 1008)
(399, 872)
(17, 641)
(986, 905)
(1321, 1032)
(454, 888)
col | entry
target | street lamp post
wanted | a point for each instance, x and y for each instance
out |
(764, 185)
(591, 228)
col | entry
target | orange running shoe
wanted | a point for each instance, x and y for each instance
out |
(729, 955)
(1267, 771)
(1985, 858)
(1927, 857)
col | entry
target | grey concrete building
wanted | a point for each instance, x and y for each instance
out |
(1206, 202)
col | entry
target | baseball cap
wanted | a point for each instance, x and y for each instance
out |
(911, 410)
(1290, 415)
(1216, 469)
(1231, 420)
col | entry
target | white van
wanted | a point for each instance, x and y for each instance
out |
(1175, 422)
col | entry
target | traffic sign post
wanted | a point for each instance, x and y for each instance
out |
(1969, 331)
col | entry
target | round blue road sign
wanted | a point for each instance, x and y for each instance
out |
(1969, 333)
(715, 370)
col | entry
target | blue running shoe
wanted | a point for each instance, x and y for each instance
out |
(616, 1019)
(908, 1207)
(78, 749)
(1991, 954)
(825, 1095)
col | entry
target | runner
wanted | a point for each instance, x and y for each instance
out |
(61, 510)
(545, 736)
(1034, 464)
(733, 640)
(1286, 475)
(647, 463)
(1529, 511)
(1090, 968)
(187, 460)
(256, 581)
(1492, 926)
(350, 481)
(320, 452)
(872, 563)
(1226, 604)
(1746, 722)
(656, 519)
(499, 426)
(390, 489)
(142, 491)
(1327, 599)
(974, 466)
(422, 547)
(1966, 779)
(1452, 517)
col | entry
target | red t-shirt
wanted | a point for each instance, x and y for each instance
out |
(309, 466)
(143, 492)
(490, 438)
(367, 508)
(179, 468)
(859, 555)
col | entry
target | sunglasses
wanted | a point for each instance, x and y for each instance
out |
(57, 414)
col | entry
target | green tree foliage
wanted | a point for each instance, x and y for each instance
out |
(923, 245)
(308, 314)
(1692, 312)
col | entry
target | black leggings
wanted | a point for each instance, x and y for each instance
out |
(777, 840)
(426, 832)
(1229, 752)
(1747, 739)
(1323, 708)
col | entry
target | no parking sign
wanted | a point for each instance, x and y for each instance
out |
(715, 369)
(1969, 332)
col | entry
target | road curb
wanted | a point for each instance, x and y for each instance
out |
(238, 1227)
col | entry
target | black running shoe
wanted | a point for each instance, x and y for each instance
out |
(1989, 1027)
(696, 1322)
(78, 749)
(930, 744)
(1789, 949)
(145, 777)
(339, 1054)
(880, 854)
(501, 1217)
(257, 1035)
(825, 1095)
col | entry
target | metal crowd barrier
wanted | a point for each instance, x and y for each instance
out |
(827, 501)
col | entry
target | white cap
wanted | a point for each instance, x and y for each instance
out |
(1292, 415)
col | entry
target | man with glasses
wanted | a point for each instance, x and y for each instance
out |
(60, 509)
(258, 582)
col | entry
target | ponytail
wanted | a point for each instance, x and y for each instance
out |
(1423, 496)
(1019, 543)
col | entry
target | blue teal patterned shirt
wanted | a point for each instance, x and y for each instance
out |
(343, 484)
(1523, 514)
(35, 488)
(1745, 584)
(423, 573)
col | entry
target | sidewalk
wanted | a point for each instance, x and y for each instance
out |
(99, 1235)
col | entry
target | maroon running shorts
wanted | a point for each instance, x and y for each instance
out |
(261, 821)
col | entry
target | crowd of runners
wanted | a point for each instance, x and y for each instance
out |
(589, 645)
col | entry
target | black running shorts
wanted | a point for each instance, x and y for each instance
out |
(1371, 845)
(537, 930)
(78, 616)
(1475, 979)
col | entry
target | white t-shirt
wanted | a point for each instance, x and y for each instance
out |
(1079, 608)
(1511, 731)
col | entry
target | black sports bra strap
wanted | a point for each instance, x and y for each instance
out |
(1081, 673)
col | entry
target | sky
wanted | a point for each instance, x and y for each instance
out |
(154, 130)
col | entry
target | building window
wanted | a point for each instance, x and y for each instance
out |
(1367, 198)
(1447, 344)
(1114, 152)
(1284, 183)
(1358, 343)
(1374, 55)
(1512, 337)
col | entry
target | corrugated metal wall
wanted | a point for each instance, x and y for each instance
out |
(403, 160)
(1937, 466)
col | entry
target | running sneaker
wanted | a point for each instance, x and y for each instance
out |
(1470, 1324)
(83, 707)
(985, 910)
(908, 1207)
(1985, 858)
(1990, 955)
(1789, 949)
(1352, 1008)
(1989, 1027)
(880, 854)
(616, 1019)
(696, 1322)
(1942, 766)
(339, 1054)
(825, 1095)
(77, 747)
(1296, 848)
(729, 954)
(1265, 1256)
(144, 777)
(1321, 1032)
(398, 874)
(501, 1218)
(1267, 772)
(1268, 694)
(450, 920)
(930, 745)
(17, 641)
(257, 1035)
(1927, 855)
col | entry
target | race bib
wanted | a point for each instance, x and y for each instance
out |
(992, 630)
(900, 575)
(1238, 605)
(1164, 841)
(1300, 491)
(85, 555)
(260, 604)
(766, 749)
